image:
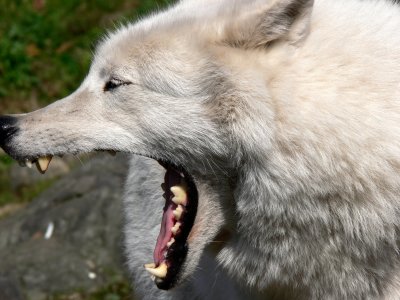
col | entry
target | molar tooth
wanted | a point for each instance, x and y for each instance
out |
(176, 227)
(43, 163)
(171, 242)
(160, 272)
(178, 212)
(180, 195)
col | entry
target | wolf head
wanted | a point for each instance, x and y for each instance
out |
(187, 87)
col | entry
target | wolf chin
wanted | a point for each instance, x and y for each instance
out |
(274, 129)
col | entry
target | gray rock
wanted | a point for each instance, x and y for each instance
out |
(69, 238)
(9, 289)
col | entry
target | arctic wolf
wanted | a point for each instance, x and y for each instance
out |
(274, 128)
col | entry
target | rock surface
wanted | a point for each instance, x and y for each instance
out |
(69, 238)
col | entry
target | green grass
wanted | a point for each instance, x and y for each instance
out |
(46, 46)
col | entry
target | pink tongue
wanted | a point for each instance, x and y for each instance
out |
(172, 178)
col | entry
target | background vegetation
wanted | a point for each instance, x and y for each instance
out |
(45, 51)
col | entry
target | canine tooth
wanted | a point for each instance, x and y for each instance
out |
(178, 212)
(43, 163)
(150, 266)
(176, 227)
(171, 242)
(160, 272)
(180, 195)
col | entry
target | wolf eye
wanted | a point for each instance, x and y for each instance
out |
(114, 83)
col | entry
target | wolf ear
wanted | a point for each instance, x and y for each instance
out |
(287, 20)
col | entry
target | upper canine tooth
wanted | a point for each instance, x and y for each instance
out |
(43, 163)
(160, 272)
(180, 195)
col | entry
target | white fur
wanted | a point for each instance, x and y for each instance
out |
(287, 115)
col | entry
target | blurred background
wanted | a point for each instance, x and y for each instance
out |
(60, 234)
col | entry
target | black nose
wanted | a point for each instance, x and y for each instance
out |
(7, 129)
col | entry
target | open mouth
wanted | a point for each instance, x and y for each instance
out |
(179, 212)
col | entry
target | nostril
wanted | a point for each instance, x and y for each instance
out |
(7, 128)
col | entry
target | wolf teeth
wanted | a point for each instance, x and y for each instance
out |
(160, 272)
(170, 243)
(178, 212)
(180, 196)
(176, 227)
(28, 163)
(43, 163)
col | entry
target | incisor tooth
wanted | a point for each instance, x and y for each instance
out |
(160, 272)
(29, 164)
(43, 163)
(175, 229)
(180, 195)
(178, 212)
(171, 242)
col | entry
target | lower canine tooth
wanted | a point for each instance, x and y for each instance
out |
(160, 272)
(43, 163)
(150, 266)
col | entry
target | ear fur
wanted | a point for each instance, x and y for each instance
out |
(287, 20)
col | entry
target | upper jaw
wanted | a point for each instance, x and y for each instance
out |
(187, 256)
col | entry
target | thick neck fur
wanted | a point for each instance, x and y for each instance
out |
(322, 182)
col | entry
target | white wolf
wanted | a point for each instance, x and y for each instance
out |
(277, 124)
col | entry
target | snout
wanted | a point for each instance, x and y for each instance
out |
(8, 128)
